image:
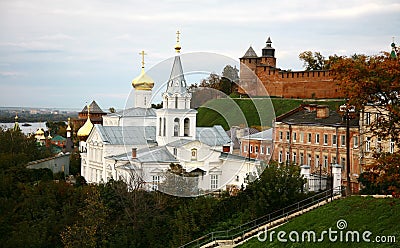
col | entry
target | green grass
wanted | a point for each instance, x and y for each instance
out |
(254, 112)
(379, 216)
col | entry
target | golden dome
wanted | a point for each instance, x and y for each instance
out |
(84, 131)
(143, 81)
(39, 132)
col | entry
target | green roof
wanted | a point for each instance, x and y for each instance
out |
(58, 138)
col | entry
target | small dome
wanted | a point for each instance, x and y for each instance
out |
(39, 132)
(84, 131)
(143, 82)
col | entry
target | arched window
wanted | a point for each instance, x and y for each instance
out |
(186, 127)
(176, 127)
(160, 127)
(194, 154)
(164, 126)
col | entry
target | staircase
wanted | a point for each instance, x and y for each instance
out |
(242, 233)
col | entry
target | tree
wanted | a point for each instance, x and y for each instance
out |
(373, 83)
(111, 109)
(313, 61)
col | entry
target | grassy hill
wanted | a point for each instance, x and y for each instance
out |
(255, 112)
(379, 216)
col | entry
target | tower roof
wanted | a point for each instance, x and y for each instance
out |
(250, 53)
(177, 82)
(268, 44)
(94, 108)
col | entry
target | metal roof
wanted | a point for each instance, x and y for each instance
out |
(250, 53)
(159, 154)
(130, 135)
(212, 136)
(135, 112)
(177, 82)
(264, 135)
(94, 109)
(179, 143)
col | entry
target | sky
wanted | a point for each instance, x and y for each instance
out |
(62, 54)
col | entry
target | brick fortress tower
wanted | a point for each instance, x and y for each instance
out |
(282, 83)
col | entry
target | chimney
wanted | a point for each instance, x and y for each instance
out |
(226, 148)
(134, 149)
(322, 111)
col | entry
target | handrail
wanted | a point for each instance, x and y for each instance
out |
(240, 230)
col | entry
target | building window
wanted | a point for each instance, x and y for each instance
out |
(334, 161)
(301, 137)
(287, 136)
(334, 140)
(325, 161)
(175, 151)
(325, 139)
(280, 135)
(251, 148)
(343, 163)
(294, 137)
(194, 154)
(294, 159)
(309, 159)
(301, 158)
(160, 127)
(309, 138)
(176, 102)
(378, 145)
(245, 148)
(287, 157)
(317, 160)
(214, 182)
(156, 182)
(176, 127)
(355, 141)
(367, 118)
(186, 127)
(256, 149)
(280, 157)
(268, 150)
(262, 150)
(165, 126)
(368, 144)
(317, 138)
(343, 140)
(391, 146)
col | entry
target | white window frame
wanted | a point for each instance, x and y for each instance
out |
(334, 139)
(214, 181)
(317, 138)
(155, 182)
(309, 137)
(391, 146)
(294, 137)
(326, 139)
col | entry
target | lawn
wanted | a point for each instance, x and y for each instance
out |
(255, 112)
(381, 217)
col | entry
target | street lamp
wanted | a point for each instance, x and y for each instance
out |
(347, 109)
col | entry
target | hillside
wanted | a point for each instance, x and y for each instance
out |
(379, 216)
(257, 111)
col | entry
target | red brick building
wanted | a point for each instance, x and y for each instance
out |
(315, 136)
(259, 76)
(258, 145)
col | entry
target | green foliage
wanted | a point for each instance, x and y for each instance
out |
(379, 216)
(313, 61)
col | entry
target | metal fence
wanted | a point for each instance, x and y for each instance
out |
(244, 231)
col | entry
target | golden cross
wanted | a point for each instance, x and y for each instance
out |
(142, 53)
(177, 36)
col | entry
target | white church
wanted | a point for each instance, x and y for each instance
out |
(141, 143)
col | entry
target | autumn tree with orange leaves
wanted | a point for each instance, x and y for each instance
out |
(374, 81)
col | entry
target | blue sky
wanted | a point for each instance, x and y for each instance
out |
(65, 53)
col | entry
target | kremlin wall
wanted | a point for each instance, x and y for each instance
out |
(317, 84)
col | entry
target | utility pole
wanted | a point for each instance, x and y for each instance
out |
(346, 108)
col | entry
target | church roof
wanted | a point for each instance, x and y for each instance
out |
(130, 135)
(212, 136)
(135, 112)
(94, 109)
(58, 138)
(158, 154)
(250, 53)
(177, 82)
(179, 143)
